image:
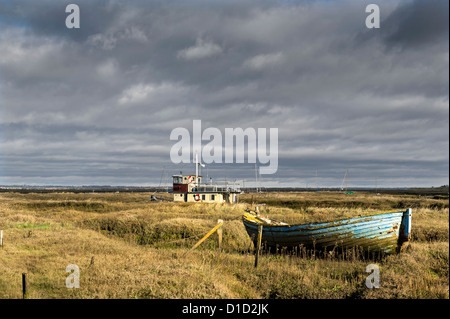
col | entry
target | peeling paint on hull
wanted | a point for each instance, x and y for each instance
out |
(381, 232)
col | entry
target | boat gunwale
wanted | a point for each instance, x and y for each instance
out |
(354, 228)
(332, 223)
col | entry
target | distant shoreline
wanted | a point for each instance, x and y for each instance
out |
(426, 191)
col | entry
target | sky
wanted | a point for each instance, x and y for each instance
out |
(96, 105)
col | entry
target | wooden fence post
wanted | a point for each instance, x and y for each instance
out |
(206, 236)
(219, 233)
(24, 286)
(258, 244)
(1, 238)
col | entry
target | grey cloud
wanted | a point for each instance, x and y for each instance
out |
(417, 23)
(99, 103)
(202, 49)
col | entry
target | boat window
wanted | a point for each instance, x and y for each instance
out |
(177, 180)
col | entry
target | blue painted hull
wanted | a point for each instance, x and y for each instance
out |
(381, 232)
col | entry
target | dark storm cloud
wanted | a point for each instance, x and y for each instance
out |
(412, 23)
(97, 104)
(417, 23)
(47, 17)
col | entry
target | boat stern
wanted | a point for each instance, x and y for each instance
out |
(405, 228)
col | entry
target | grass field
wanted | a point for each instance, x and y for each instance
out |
(129, 247)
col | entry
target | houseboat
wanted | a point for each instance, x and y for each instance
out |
(189, 188)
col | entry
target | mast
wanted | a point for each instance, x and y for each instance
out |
(196, 169)
(162, 175)
(197, 163)
(343, 180)
(346, 177)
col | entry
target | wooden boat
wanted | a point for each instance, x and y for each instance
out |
(383, 232)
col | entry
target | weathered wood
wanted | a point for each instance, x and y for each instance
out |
(258, 244)
(206, 236)
(24, 286)
(219, 233)
(375, 231)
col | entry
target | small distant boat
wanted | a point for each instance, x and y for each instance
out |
(383, 232)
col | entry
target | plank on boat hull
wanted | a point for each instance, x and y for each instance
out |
(382, 232)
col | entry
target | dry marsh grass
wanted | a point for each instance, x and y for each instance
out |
(129, 247)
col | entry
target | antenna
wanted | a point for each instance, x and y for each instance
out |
(256, 179)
